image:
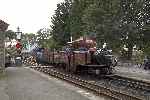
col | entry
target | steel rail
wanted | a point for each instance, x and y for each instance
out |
(144, 85)
(119, 95)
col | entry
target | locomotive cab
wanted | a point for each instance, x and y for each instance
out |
(102, 62)
(85, 58)
(104, 57)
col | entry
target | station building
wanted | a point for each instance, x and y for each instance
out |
(3, 28)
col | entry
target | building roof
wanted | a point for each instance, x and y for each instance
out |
(3, 26)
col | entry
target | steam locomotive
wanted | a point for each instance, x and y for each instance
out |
(100, 61)
(81, 56)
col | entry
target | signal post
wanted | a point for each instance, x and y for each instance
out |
(18, 47)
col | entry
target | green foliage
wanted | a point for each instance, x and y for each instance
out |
(51, 43)
(133, 19)
(76, 14)
(28, 38)
(100, 18)
(43, 36)
(146, 48)
(61, 23)
(116, 22)
(10, 34)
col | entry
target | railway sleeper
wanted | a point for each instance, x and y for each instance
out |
(90, 86)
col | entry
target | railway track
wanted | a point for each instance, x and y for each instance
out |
(114, 86)
(119, 95)
(133, 83)
(128, 85)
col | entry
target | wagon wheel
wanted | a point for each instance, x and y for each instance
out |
(67, 68)
(63, 66)
(73, 68)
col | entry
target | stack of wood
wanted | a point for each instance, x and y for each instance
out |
(31, 61)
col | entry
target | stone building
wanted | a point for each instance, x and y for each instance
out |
(3, 28)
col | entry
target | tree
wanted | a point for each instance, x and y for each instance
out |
(42, 37)
(9, 34)
(116, 22)
(100, 18)
(28, 38)
(60, 23)
(76, 14)
(133, 18)
(145, 30)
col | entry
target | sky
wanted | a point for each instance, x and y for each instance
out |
(29, 15)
